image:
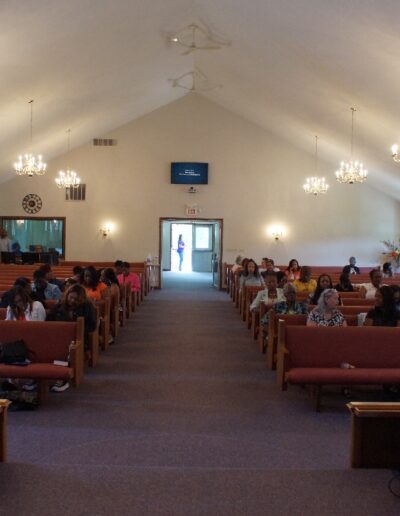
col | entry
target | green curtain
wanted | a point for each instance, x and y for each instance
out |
(47, 233)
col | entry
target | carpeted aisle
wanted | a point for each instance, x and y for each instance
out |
(181, 417)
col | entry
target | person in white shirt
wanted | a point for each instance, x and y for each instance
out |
(5, 242)
(22, 308)
(271, 295)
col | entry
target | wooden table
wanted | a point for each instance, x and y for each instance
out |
(3, 429)
(375, 434)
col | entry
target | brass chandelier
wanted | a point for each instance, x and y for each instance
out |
(29, 164)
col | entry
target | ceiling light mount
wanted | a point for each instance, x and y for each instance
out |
(193, 38)
(194, 82)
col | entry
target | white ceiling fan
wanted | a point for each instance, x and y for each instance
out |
(193, 37)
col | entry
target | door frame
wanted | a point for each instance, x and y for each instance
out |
(191, 220)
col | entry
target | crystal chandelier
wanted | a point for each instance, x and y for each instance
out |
(315, 185)
(395, 153)
(352, 171)
(29, 164)
(68, 179)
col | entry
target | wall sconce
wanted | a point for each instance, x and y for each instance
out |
(106, 229)
(277, 232)
(395, 153)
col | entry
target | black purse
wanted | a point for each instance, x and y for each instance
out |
(13, 352)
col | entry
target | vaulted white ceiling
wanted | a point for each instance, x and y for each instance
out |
(295, 67)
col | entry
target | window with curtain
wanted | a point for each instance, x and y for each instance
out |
(30, 233)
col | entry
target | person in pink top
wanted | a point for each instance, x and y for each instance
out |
(129, 277)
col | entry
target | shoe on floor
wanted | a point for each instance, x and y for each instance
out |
(30, 386)
(60, 386)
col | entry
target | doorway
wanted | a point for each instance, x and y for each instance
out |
(202, 249)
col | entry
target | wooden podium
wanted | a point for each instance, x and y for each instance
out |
(375, 434)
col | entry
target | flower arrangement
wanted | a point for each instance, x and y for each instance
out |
(394, 250)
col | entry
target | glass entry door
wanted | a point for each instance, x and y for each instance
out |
(202, 247)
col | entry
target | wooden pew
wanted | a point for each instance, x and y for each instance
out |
(3, 429)
(248, 295)
(103, 306)
(314, 355)
(46, 342)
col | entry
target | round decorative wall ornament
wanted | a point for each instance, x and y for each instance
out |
(32, 203)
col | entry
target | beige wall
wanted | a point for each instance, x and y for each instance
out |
(255, 179)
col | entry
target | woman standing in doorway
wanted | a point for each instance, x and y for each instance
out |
(181, 250)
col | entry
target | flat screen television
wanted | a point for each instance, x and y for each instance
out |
(189, 173)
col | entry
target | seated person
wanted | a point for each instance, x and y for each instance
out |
(352, 267)
(23, 308)
(271, 294)
(344, 284)
(384, 312)
(368, 290)
(109, 278)
(50, 278)
(16, 248)
(19, 282)
(270, 265)
(326, 312)
(289, 306)
(42, 289)
(396, 295)
(74, 304)
(305, 283)
(90, 280)
(293, 270)
(77, 272)
(251, 275)
(281, 278)
(324, 281)
(237, 265)
(118, 266)
(129, 277)
(387, 271)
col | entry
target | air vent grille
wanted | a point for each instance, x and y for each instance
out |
(76, 194)
(104, 142)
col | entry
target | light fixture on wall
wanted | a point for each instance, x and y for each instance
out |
(29, 164)
(106, 229)
(68, 179)
(352, 171)
(277, 232)
(315, 185)
(395, 153)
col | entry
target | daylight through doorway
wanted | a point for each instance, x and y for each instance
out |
(181, 233)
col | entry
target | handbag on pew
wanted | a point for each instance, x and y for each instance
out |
(14, 352)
